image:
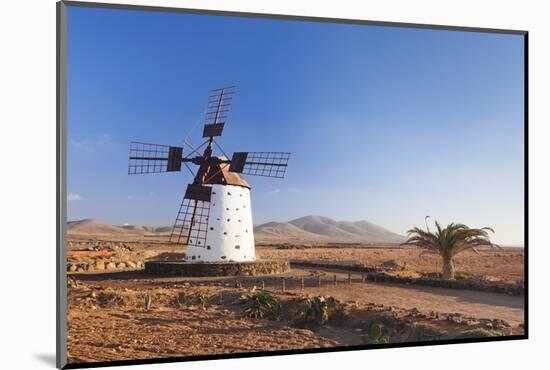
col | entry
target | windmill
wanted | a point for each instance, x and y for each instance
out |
(214, 220)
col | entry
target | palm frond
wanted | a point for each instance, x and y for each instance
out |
(450, 240)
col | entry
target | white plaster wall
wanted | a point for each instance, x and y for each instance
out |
(230, 234)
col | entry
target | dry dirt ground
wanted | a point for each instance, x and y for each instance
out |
(107, 318)
(499, 265)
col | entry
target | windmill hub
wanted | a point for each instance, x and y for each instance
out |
(214, 220)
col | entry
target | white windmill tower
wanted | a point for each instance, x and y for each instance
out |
(215, 217)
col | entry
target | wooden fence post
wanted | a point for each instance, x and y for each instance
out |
(263, 285)
(302, 283)
(335, 282)
(319, 280)
(283, 284)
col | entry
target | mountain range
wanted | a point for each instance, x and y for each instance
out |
(308, 229)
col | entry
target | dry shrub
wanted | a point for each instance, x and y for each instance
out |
(111, 299)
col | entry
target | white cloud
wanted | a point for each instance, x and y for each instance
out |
(80, 145)
(274, 192)
(73, 197)
(90, 145)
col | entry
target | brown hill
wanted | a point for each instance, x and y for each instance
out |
(308, 229)
(278, 231)
(94, 227)
(326, 229)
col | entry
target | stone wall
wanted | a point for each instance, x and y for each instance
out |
(104, 266)
(180, 268)
(377, 275)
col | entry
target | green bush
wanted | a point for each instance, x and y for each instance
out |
(262, 305)
(375, 335)
(317, 308)
(202, 299)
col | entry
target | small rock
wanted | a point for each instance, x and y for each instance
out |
(110, 266)
(99, 265)
(71, 268)
(393, 264)
(131, 264)
(121, 265)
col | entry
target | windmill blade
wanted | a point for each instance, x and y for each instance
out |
(268, 164)
(217, 111)
(191, 225)
(153, 158)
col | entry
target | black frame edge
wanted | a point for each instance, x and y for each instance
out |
(287, 17)
(61, 179)
(526, 182)
(290, 352)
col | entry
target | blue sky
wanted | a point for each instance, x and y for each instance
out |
(384, 124)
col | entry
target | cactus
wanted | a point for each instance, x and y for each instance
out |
(261, 305)
(148, 302)
(375, 335)
(202, 299)
(318, 308)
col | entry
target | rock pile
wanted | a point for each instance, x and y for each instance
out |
(104, 266)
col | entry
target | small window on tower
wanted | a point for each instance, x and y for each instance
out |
(237, 247)
(193, 257)
(208, 247)
(236, 209)
(228, 193)
(223, 257)
(214, 192)
(228, 219)
(227, 209)
(211, 228)
(225, 233)
(239, 220)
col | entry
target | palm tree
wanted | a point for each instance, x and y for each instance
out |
(449, 241)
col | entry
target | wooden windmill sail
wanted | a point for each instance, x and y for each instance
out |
(214, 220)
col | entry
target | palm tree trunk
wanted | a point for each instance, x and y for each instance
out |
(448, 267)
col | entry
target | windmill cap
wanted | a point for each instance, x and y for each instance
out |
(219, 174)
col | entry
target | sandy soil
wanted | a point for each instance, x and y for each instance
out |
(124, 330)
(107, 319)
